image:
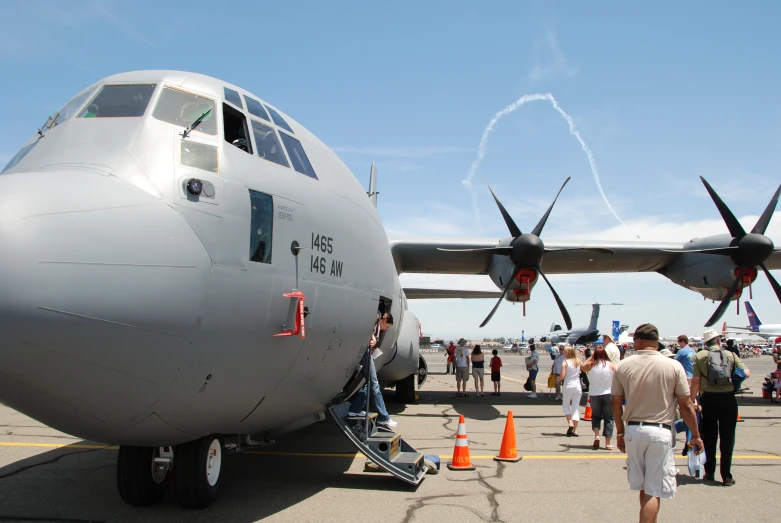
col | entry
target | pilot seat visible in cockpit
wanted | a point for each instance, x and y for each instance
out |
(241, 143)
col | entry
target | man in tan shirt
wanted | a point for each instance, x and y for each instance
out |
(652, 386)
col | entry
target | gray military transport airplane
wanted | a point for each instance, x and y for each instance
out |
(188, 272)
(579, 335)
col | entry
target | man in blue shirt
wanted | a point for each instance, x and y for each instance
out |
(685, 356)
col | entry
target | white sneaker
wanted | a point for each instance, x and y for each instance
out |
(533, 395)
(558, 398)
(388, 423)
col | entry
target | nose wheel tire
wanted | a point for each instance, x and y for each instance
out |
(197, 471)
(139, 481)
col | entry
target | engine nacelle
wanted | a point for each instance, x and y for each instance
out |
(708, 275)
(405, 353)
(502, 268)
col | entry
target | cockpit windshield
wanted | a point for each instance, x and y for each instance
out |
(70, 109)
(115, 101)
(182, 109)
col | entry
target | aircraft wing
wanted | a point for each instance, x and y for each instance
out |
(425, 256)
(413, 293)
(774, 262)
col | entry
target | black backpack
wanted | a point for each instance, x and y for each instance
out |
(719, 368)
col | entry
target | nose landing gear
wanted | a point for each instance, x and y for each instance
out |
(197, 472)
(143, 473)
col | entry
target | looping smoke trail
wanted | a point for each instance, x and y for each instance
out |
(572, 130)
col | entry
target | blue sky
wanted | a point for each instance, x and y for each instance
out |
(662, 93)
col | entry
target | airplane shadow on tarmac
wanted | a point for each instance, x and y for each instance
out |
(78, 485)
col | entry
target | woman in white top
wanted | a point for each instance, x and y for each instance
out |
(570, 376)
(600, 375)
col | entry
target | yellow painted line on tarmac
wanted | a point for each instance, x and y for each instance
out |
(352, 455)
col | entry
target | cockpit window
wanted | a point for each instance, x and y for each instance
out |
(267, 144)
(18, 157)
(278, 119)
(119, 101)
(297, 155)
(261, 227)
(182, 109)
(233, 97)
(70, 109)
(255, 108)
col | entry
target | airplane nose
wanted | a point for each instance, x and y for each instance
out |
(100, 292)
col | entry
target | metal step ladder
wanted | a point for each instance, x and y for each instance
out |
(385, 448)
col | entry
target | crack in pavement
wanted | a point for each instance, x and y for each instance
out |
(12, 433)
(448, 419)
(48, 520)
(762, 479)
(421, 502)
(47, 462)
(492, 491)
(760, 452)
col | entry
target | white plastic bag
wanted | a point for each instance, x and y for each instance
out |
(696, 464)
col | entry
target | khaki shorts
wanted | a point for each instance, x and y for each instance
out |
(478, 373)
(462, 373)
(650, 464)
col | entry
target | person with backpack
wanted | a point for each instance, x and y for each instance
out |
(712, 375)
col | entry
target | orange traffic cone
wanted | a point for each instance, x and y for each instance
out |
(587, 415)
(739, 417)
(461, 459)
(508, 452)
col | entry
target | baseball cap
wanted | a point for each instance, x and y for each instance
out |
(709, 335)
(646, 331)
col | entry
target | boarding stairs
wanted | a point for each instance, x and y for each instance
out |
(382, 447)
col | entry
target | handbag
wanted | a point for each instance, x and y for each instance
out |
(527, 385)
(584, 381)
(551, 381)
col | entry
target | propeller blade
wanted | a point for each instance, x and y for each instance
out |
(560, 303)
(492, 250)
(588, 249)
(735, 229)
(773, 282)
(538, 229)
(514, 230)
(715, 250)
(725, 302)
(506, 288)
(764, 220)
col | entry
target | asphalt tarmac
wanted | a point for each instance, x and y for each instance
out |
(314, 474)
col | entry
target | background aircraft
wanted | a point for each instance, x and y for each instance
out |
(580, 335)
(756, 327)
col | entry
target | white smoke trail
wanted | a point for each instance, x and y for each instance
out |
(572, 130)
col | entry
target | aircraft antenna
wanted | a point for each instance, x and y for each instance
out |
(373, 185)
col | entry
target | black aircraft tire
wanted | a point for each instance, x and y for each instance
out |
(405, 389)
(135, 483)
(195, 488)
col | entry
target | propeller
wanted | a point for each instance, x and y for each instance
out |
(747, 250)
(525, 251)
